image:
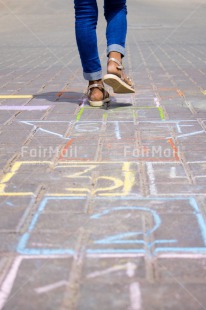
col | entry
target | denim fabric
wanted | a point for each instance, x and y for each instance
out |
(86, 16)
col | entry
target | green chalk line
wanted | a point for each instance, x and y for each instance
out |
(105, 117)
(79, 114)
(161, 114)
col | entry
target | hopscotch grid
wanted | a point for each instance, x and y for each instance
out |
(21, 248)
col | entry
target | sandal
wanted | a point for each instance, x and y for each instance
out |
(99, 103)
(120, 85)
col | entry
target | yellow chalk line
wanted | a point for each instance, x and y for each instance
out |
(9, 175)
(14, 169)
(17, 194)
(129, 176)
(129, 181)
(16, 96)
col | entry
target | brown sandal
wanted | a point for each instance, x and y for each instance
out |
(99, 103)
(120, 85)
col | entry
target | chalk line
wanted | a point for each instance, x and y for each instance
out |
(135, 296)
(9, 281)
(106, 271)
(50, 287)
(24, 108)
(150, 173)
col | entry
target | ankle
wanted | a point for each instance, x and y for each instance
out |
(116, 55)
(96, 93)
(112, 68)
(96, 82)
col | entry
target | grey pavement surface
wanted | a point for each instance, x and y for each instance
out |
(102, 208)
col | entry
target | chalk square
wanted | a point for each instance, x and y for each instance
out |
(127, 226)
(77, 178)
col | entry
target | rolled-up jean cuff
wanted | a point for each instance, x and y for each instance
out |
(93, 76)
(116, 48)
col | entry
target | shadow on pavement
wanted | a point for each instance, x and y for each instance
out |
(74, 97)
(114, 105)
(70, 97)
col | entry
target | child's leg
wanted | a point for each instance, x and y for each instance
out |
(116, 16)
(115, 13)
(86, 16)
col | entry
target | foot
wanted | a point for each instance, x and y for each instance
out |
(116, 77)
(112, 67)
(96, 94)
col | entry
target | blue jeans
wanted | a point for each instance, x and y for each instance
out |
(86, 16)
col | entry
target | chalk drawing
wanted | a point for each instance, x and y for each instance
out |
(16, 96)
(13, 171)
(117, 131)
(119, 243)
(107, 271)
(79, 114)
(189, 134)
(87, 127)
(111, 184)
(24, 107)
(50, 287)
(135, 296)
(151, 175)
(173, 174)
(44, 130)
(9, 281)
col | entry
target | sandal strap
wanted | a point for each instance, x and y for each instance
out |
(120, 66)
(100, 86)
(95, 86)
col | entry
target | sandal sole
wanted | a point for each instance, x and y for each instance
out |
(98, 103)
(119, 86)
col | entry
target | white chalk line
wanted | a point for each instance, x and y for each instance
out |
(188, 134)
(50, 287)
(9, 281)
(129, 267)
(106, 271)
(134, 289)
(117, 131)
(117, 255)
(135, 296)
(151, 175)
(182, 255)
(173, 174)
